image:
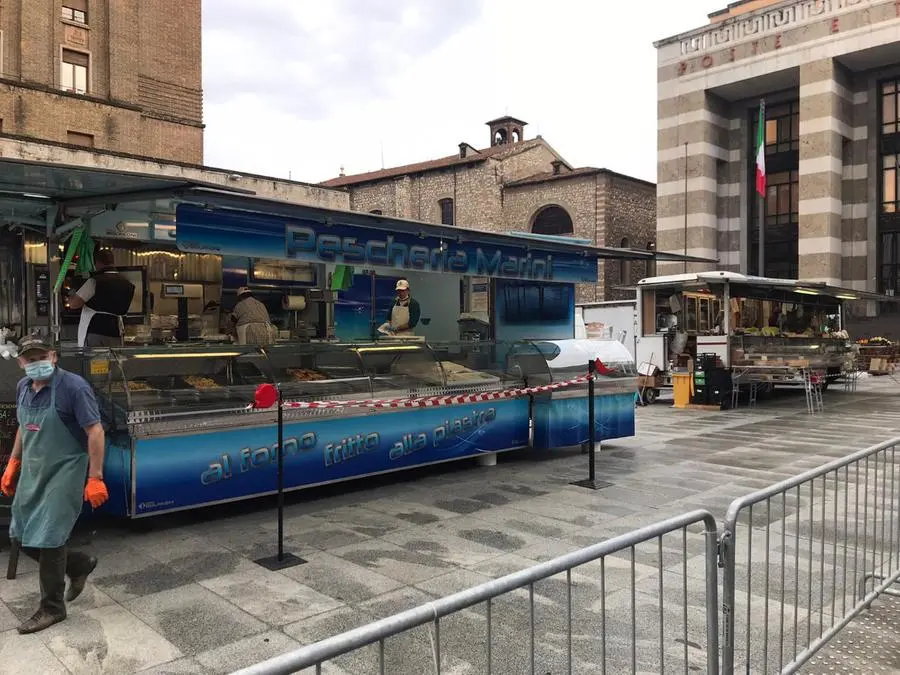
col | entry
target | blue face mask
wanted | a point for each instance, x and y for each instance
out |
(40, 370)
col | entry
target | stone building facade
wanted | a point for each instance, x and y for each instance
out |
(292, 191)
(520, 185)
(117, 75)
(828, 72)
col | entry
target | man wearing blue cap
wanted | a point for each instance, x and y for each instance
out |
(56, 465)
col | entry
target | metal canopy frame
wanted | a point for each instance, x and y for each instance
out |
(39, 194)
(735, 280)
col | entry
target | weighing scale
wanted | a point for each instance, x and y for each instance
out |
(183, 293)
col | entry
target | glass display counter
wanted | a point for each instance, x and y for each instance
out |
(805, 352)
(175, 384)
(559, 416)
(183, 433)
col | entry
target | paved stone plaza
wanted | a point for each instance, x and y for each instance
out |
(182, 594)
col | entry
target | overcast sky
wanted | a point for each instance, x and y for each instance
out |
(303, 87)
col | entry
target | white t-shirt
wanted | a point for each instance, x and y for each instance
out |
(87, 290)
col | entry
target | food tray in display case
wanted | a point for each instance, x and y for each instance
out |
(318, 371)
(400, 369)
(814, 352)
(143, 384)
(476, 366)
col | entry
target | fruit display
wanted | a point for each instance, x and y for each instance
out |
(874, 342)
(306, 375)
(201, 382)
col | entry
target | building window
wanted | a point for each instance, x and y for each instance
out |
(447, 215)
(624, 265)
(553, 220)
(75, 10)
(782, 128)
(74, 71)
(651, 263)
(376, 212)
(889, 183)
(890, 115)
(78, 138)
(782, 217)
(782, 200)
(889, 281)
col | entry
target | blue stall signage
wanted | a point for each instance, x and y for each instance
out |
(189, 471)
(231, 232)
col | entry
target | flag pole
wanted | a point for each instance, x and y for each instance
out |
(760, 186)
(685, 206)
(762, 235)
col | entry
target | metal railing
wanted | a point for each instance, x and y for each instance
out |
(798, 558)
(801, 559)
(614, 642)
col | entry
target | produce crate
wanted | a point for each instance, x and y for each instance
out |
(867, 353)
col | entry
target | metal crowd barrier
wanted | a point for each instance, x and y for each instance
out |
(610, 651)
(800, 556)
(801, 559)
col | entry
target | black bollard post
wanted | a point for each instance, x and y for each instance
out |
(591, 481)
(281, 560)
(280, 476)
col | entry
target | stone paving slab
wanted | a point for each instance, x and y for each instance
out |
(182, 594)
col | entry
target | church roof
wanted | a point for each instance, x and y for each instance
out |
(472, 157)
(581, 172)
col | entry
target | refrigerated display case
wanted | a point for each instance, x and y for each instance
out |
(559, 416)
(785, 360)
(183, 432)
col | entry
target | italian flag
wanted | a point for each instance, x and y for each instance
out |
(761, 151)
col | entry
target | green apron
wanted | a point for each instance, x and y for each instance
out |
(49, 495)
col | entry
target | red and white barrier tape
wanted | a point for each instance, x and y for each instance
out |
(435, 401)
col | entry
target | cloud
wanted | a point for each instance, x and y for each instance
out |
(313, 58)
(301, 88)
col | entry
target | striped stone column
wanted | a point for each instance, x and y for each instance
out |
(696, 125)
(825, 112)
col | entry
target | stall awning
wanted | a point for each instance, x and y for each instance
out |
(29, 189)
(796, 287)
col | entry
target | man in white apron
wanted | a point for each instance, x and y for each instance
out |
(103, 299)
(56, 465)
(251, 320)
(405, 311)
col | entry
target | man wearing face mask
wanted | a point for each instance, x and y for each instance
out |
(56, 465)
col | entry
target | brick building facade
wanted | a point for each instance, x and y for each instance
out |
(520, 185)
(828, 72)
(117, 75)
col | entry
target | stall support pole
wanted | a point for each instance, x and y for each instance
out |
(281, 560)
(591, 482)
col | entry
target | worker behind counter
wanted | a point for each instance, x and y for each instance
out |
(104, 300)
(55, 466)
(404, 313)
(250, 319)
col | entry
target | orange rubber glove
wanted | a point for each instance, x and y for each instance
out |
(95, 492)
(10, 477)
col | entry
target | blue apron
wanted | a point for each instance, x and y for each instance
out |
(50, 491)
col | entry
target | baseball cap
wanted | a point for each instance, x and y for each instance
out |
(243, 290)
(402, 285)
(35, 343)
